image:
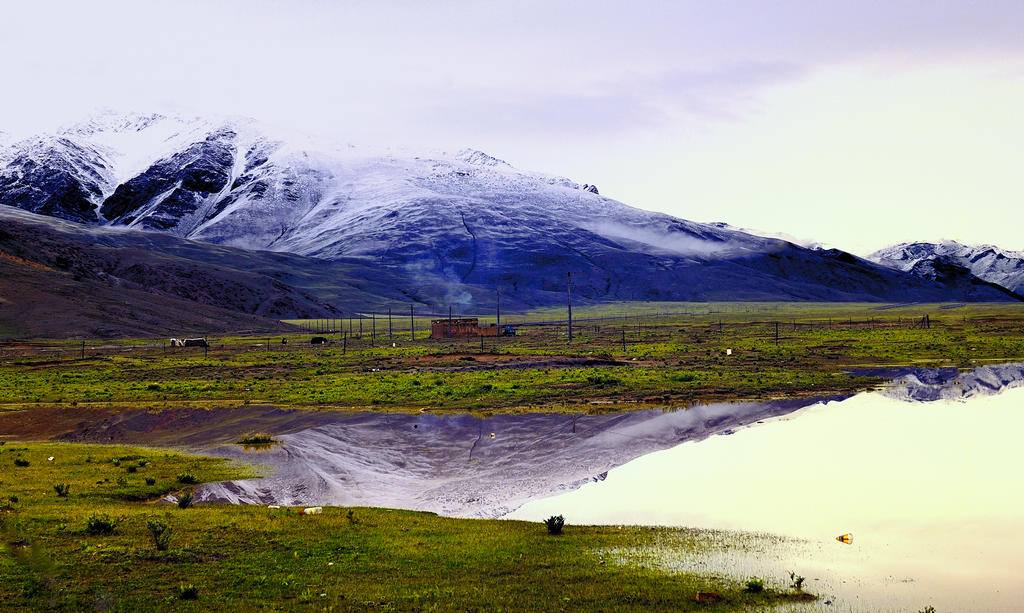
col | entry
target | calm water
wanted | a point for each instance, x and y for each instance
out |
(926, 475)
(931, 490)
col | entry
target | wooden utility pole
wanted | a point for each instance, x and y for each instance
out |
(498, 294)
(412, 324)
(568, 295)
(450, 333)
(391, 332)
(83, 349)
(623, 340)
(776, 334)
(373, 329)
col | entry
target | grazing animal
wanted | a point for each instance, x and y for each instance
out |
(318, 340)
(175, 342)
(195, 342)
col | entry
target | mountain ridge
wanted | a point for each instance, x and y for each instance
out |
(460, 224)
(989, 262)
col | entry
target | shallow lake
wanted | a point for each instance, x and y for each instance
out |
(926, 475)
(931, 491)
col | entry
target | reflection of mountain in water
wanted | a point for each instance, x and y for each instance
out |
(452, 465)
(924, 385)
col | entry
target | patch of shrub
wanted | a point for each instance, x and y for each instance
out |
(554, 524)
(150, 481)
(132, 468)
(188, 592)
(161, 533)
(256, 438)
(100, 523)
(20, 462)
(187, 478)
(754, 586)
(185, 500)
(62, 489)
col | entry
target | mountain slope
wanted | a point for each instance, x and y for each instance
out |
(445, 228)
(38, 301)
(988, 262)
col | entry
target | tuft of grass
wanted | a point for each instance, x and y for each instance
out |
(188, 591)
(150, 481)
(185, 500)
(62, 489)
(160, 530)
(100, 524)
(754, 586)
(797, 581)
(21, 462)
(187, 478)
(256, 438)
(554, 524)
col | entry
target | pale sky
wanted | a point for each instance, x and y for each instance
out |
(857, 124)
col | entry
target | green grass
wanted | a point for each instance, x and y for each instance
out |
(658, 359)
(242, 558)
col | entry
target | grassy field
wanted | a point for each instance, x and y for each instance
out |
(55, 552)
(714, 352)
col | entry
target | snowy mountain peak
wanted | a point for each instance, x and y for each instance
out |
(479, 158)
(988, 262)
(447, 221)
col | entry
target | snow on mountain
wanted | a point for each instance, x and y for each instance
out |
(448, 219)
(988, 262)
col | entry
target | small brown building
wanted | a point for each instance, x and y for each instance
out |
(463, 327)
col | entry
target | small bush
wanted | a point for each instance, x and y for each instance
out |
(188, 592)
(20, 462)
(554, 524)
(187, 478)
(161, 532)
(143, 463)
(150, 481)
(132, 468)
(185, 500)
(754, 586)
(13, 498)
(100, 523)
(62, 489)
(350, 516)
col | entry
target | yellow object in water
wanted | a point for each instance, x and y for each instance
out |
(492, 435)
(846, 538)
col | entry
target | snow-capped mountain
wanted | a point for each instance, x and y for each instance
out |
(988, 262)
(459, 219)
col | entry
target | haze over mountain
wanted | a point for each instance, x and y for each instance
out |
(445, 228)
(987, 262)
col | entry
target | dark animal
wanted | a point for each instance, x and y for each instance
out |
(195, 342)
(318, 340)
